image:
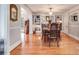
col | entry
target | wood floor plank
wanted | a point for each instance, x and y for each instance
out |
(35, 46)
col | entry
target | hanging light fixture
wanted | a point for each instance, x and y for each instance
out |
(50, 13)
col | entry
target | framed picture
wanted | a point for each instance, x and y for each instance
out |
(13, 12)
(74, 18)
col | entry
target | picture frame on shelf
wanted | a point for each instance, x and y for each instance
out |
(58, 18)
(47, 18)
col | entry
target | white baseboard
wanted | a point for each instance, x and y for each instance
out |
(75, 37)
(14, 45)
(65, 33)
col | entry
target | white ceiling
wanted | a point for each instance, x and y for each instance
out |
(56, 8)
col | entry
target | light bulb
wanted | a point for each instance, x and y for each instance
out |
(60, 21)
(50, 13)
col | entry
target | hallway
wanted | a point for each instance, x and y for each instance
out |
(36, 47)
(37, 15)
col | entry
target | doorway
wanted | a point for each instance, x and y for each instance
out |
(24, 26)
(27, 26)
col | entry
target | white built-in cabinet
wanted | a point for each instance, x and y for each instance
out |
(38, 20)
(36, 23)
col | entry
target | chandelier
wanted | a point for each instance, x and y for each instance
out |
(50, 12)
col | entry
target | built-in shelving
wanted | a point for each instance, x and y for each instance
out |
(36, 24)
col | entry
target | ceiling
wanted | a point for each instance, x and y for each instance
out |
(56, 8)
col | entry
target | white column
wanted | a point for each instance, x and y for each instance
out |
(4, 24)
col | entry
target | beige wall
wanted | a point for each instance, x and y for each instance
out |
(15, 27)
(70, 27)
(14, 31)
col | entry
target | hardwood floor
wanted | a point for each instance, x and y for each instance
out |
(35, 46)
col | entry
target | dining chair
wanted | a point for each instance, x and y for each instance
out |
(44, 32)
(54, 34)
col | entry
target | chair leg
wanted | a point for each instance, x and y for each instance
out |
(46, 38)
(49, 42)
(57, 42)
(43, 38)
